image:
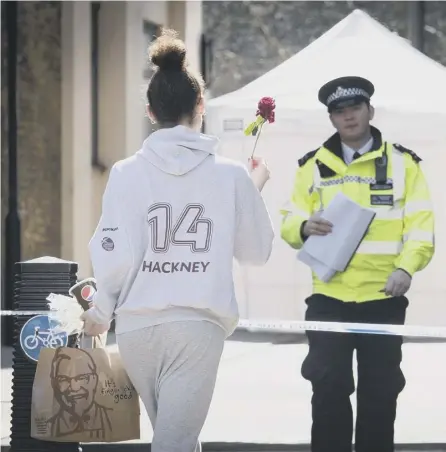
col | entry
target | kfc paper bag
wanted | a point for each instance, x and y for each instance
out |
(83, 395)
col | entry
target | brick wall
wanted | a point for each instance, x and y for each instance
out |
(252, 37)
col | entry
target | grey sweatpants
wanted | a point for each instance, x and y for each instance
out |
(173, 366)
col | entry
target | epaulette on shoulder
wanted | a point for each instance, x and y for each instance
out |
(306, 157)
(404, 150)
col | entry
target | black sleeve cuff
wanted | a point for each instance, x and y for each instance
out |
(407, 273)
(302, 236)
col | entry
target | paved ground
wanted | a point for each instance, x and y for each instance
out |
(261, 403)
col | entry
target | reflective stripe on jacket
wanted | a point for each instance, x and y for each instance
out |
(400, 236)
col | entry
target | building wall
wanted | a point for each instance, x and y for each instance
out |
(76, 183)
(39, 128)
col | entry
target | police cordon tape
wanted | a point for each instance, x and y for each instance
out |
(297, 326)
(23, 313)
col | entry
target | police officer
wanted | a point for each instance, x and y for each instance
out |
(400, 241)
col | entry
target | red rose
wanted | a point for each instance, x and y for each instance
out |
(265, 109)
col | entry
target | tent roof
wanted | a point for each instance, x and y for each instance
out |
(405, 79)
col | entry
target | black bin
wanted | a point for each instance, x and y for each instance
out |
(34, 280)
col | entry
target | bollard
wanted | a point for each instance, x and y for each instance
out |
(34, 280)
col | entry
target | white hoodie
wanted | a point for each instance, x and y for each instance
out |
(174, 215)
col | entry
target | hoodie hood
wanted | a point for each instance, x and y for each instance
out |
(178, 150)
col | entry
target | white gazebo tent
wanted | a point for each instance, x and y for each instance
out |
(410, 102)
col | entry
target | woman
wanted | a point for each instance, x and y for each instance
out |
(174, 216)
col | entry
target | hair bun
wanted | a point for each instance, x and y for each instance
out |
(168, 52)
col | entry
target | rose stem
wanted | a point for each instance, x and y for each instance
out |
(257, 139)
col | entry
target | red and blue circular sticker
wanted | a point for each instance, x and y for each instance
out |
(87, 293)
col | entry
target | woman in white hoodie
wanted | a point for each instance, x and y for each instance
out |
(174, 216)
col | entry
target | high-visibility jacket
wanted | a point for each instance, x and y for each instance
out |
(387, 179)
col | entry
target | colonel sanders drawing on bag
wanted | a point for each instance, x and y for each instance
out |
(74, 380)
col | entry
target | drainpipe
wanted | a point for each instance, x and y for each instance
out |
(12, 222)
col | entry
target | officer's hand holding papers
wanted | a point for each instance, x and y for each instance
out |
(316, 225)
(330, 253)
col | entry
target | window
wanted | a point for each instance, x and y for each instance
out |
(95, 161)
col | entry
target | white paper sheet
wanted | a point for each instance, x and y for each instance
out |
(323, 272)
(329, 254)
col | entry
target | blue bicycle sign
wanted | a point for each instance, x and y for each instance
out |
(38, 333)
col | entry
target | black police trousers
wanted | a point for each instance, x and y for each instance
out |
(329, 368)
